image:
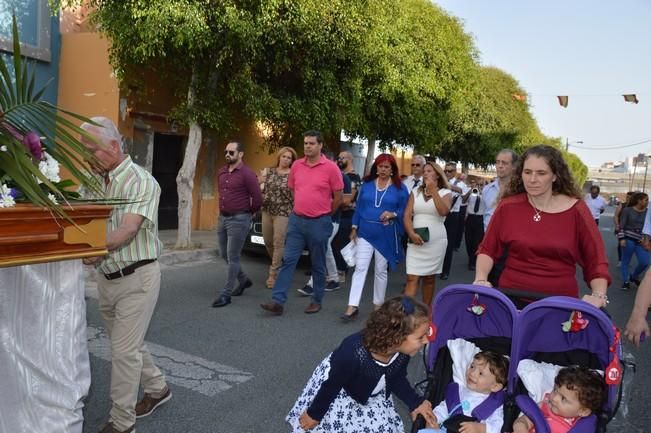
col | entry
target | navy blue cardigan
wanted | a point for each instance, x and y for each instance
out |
(352, 368)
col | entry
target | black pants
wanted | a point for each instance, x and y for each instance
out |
(474, 232)
(452, 228)
(462, 219)
(341, 239)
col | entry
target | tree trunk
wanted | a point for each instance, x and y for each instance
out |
(370, 152)
(185, 179)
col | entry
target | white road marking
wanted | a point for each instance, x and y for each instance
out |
(198, 374)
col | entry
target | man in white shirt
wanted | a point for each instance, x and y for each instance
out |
(596, 203)
(416, 178)
(504, 164)
(474, 224)
(453, 222)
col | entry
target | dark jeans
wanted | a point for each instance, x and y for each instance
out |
(232, 232)
(312, 233)
(474, 234)
(341, 240)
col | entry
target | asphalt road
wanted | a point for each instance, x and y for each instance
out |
(236, 369)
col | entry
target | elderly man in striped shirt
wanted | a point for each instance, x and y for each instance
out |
(128, 276)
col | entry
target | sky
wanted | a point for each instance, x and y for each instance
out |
(593, 51)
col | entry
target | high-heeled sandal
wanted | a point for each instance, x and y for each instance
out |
(349, 317)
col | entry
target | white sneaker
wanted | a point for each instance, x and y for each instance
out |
(342, 277)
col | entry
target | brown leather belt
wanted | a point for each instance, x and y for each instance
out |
(128, 270)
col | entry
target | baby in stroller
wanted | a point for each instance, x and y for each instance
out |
(481, 397)
(556, 332)
(578, 393)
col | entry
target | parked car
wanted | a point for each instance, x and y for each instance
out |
(254, 243)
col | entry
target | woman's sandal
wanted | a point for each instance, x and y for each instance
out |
(349, 317)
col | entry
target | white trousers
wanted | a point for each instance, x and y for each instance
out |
(331, 265)
(363, 255)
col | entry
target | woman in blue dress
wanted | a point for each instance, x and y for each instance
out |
(377, 230)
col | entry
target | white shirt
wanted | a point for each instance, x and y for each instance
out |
(409, 182)
(493, 422)
(596, 205)
(489, 196)
(464, 189)
(472, 198)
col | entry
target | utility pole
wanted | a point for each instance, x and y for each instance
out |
(567, 143)
(646, 168)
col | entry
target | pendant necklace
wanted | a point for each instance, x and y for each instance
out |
(384, 191)
(536, 216)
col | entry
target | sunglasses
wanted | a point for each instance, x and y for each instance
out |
(230, 152)
(447, 170)
(415, 165)
(341, 158)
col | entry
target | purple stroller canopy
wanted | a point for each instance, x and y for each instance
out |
(453, 315)
(539, 329)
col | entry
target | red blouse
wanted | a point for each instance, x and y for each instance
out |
(543, 255)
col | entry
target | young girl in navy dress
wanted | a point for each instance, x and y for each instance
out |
(350, 391)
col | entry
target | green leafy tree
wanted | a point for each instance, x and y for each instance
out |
(487, 117)
(417, 60)
(287, 64)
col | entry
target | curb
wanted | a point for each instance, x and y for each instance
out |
(175, 257)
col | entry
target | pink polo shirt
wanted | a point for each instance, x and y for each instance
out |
(314, 185)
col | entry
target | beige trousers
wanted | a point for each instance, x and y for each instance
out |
(274, 231)
(126, 305)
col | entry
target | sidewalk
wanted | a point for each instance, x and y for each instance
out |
(205, 241)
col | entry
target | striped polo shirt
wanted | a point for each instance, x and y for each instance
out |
(131, 182)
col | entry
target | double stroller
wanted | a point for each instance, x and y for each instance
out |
(555, 331)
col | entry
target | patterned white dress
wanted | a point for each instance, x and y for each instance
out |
(346, 415)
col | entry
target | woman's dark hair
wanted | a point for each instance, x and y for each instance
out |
(395, 173)
(636, 198)
(564, 183)
(388, 326)
(627, 199)
(588, 384)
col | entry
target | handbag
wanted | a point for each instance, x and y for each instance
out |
(348, 253)
(423, 232)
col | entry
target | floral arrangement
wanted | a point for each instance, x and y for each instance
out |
(35, 140)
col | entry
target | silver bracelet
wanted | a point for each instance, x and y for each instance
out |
(600, 296)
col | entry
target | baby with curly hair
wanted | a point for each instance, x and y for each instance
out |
(350, 391)
(578, 392)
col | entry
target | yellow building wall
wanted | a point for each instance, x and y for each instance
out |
(86, 82)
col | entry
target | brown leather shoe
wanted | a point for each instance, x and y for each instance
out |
(273, 307)
(108, 428)
(148, 404)
(313, 308)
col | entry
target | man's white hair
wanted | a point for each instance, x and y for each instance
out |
(106, 131)
(419, 158)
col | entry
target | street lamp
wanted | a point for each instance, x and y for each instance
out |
(567, 143)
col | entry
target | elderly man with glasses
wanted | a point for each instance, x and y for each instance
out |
(239, 199)
(415, 180)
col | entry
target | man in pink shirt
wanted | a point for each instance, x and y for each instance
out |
(317, 186)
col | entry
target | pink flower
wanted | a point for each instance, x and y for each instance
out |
(33, 143)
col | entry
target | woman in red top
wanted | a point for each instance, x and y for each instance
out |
(547, 229)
